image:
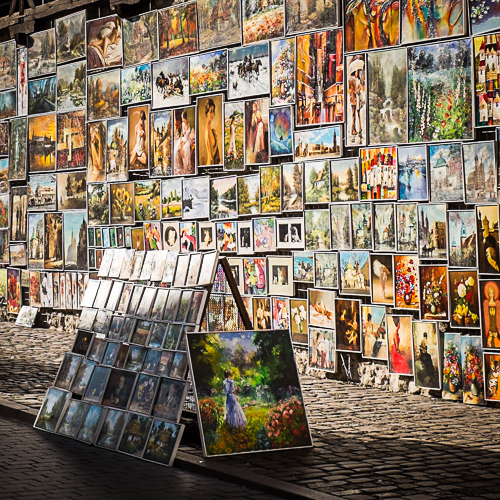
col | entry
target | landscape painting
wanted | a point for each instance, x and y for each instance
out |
(412, 174)
(72, 191)
(42, 192)
(75, 241)
(42, 96)
(178, 28)
(8, 106)
(18, 146)
(292, 187)
(260, 367)
(103, 95)
(170, 79)
(308, 16)
(262, 21)
(71, 86)
(70, 37)
(208, 72)
(234, 135)
(140, 39)
(70, 140)
(324, 142)
(344, 179)
(42, 53)
(161, 144)
(8, 73)
(218, 25)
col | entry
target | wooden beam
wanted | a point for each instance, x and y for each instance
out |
(26, 27)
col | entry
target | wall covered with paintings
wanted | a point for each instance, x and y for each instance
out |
(344, 162)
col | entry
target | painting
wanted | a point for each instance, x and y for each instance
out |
(36, 241)
(71, 91)
(135, 84)
(462, 238)
(171, 206)
(344, 180)
(492, 370)
(317, 229)
(452, 367)
(196, 198)
(321, 308)
(4, 139)
(171, 83)
(75, 241)
(356, 119)
(208, 72)
(262, 21)
(8, 107)
(96, 151)
(480, 173)
(379, 173)
(103, 95)
(292, 180)
(446, 168)
(298, 321)
(436, 72)
(270, 189)
(41, 53)
(163, 441)
(282, 71)
(138, 133)
(178, 29)
(407, 294)
(53, 237)
(223, 198)
(13, 290)
(70, 140)
(135, 435)
(280, 124)
(325, 142)
(210, 132)
(104, 43)
(384, 234)
(8, 73)
(382, 279)
(17, 254)
(373, 332)
(257, 131)
(184, 144)
(116, 150)
(22, 81)
(248, 194)
(406, 217)
(399, 338)
(464, 299)
(490, 312)
(52, 409)
(4, 175)
(218, 24)
(347, 325)
(161, 144)
(248, 71)
(140, 39)
(147, 200)
(188, 236)
(488, 252)
(387, 112)
(413, 173)
(42, 143)
(434, 293)
(320, 78)
(98, 199)
(322, 354)
(310, 16)
(42, 96)
(340, 217)
(290, 233)
(233, 135)
(70, 37)
(354, 272)
(362, 226)
(426, 355)
(432, 235)
(216, 382)
(19, 206)
(42, 192)
(472, 370)
(443, 20)
(264, 233)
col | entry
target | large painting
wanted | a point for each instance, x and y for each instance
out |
(248, 392)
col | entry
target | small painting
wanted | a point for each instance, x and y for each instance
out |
(42, 96)
(434, 293)
(326, 273)
(317, 229)
(140, 39)
(248, 187)
(382, 279)
(257, 132)
(135, 84)
(147, 200)
(53, 248)
(298, 320)
(384, 234)
(104, 43)
(14, 300)
(407, 294)
(22, 81)
(18, 145)
(161, 144)
(490, 312)
(322, 355)
(75, 241)
(218, 24)
(8, 74)
(171, 83)
(480, 172)
(223, 198)
(8, 107)
(98, 199)
(71, 81)
(178, 29)
(116, 150)
(36, 241)
(426, 355)
(196, 198)
(41, 53)
(71, 140)
(233, 136)
(96, 151)
(52, 409)
(356, 119)
(19, 206)
(42, 192)
(210, 133)
(462, 238)
(270, 189)
(325, 142)
(103, 95)
(280, 125)
(472, 370)
(412, 174)
(262, 21)
(374, 332)
(282, 71)
(464, 299)
(344, 180)
(399, 338)
(488, 254)
(492, 369)
(70, 37)
(264, 234)
(362, 226)
(208, 72)
(184, 154)
(354, 271)
(347, 325)
(292, 177)
(138, 132)
(452, 367)
(42, 143)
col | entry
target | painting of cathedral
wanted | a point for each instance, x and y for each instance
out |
(446, 168)
(75, 240)
(480, 172)
(432, 231)
(462, 238)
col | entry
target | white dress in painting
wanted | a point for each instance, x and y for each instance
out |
(234, 413)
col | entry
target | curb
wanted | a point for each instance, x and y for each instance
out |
(200, 465)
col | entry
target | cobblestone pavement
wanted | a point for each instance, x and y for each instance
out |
(35, 465)
(369, 444)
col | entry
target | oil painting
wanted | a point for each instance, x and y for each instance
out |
(104, 43)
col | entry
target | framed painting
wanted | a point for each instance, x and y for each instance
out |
(42, 53)
(71, 140)
(244, 245)
(347, 325)
(184, 143)
(491, 367)
(98, 204)
(210, 131)
(354, 273)
(178, 29)
(223, 198)
(262, 22)
(407, 294)
(54, 244)
(8, 105)
(472, 370)
(462, 238)
(399, 338)
(248, 194)
(281, 125)
(36, 243)
(103, 95)
(290, 233)
(322, 349)
(426, 355)
(42, 142)
(382, 279)
(22, 81)
(147, 200)
(317, 229)
(18, 147)
(321, 308)
(19, 205)
(196, 197)
(140, 39)
(116, 150)
(464, 299)
(42, 96)
(171, 83)
(8, 74)
(70, 37)
(480, 173)
(362, 226)
(374, 332)
(42, 192)
(432, 231)
(208, 72)
(434, 298)
(104, 43)
(218, 25)
(171, 191)
(160, 164)
(292, 184)
(326, 270)
(325, 142)
(270, 189)
(138, 133)
(96, 151)
(257, 132)
(282, 71)
(75, 241)
(488, 252)
(384, 234)
(135, 84)
(71, 86)
(234, 135)
(413, 173)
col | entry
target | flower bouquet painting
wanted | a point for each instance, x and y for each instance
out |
(472, 370)
(464, 299)
(452, 368)
(434, 299)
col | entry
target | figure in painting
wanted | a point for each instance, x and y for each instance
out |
(489, 245)
(234, 413)
(107, 47)
(257, 141)
(355, 99)
(398, 361)
(231, 153)
(139, 151)
(493, 378)
(324, 349)
(211, 143)
(183, 153)
(424, 367)
(491, 310)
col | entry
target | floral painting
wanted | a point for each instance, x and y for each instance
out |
(283, 71)
(452, 367)
(262, 20)
(406, 277)
(464, 299)
(232, 369)
(208, 72)
(434, 293)
(472, 370)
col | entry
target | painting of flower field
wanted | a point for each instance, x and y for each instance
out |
(248, 392)
(440, 92)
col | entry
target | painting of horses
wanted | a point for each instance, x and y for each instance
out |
(248, 71)
(170, 82)
(248, 393)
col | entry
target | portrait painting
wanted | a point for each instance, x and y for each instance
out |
(347, 325)
(184, 143)
(257, 131)
(399, 338)
(210, 132)
(234, 135)
(138, 133)
(487, 239)
(374, 332)
(426, 355)
(322, 355)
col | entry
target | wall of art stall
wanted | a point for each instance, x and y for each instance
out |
(346, 165)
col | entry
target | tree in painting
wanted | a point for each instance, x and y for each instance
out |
(248, 392)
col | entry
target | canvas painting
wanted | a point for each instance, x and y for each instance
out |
(317, 182)
(302, 17)
(223, 198)
(147, 200)
(462, 238)
(4, 175)
(196, 198)
(70, 140)
(162, 443)
(116, 150)
(446, 168)
(282, 71)
(317, 229)
(384, 234)
(71, 86)
(248, 71)
(426, 355)
(135, 84)
(406, 217)
(233, 135)
(218, 24)
(53, 236)
(298, 321)
(413, 173)
(407, 294)
(210, 132)
(464, 299)
(36, 241)
(18, 254)
(320, 99)
(42, 96)
(344, 180)
(367, 28)
(13, 290)
(184, 144)
(42, 143)
(492, 370)
(96, 151)
(324, 142)
(379, 173)
(270, 189)
(472, 370)
(8, 106)
(292, 180)
(8, 74)
(434, 299)
(104, 43)
(488, 252)
(140, 39)
(490, 309)
(248, 194)
(42, 192)
(382, 279)
(432, 235)
(70, 37)
(171, 206)
(347, 325)
(280, 125)
(75, 241)
(480, 173)
(452, 367)
(103, 95)
(340, 226)
(98, 199)
(436, 72)
(171, 83)
(138, 133)
(322, 354)
(52, 409)
(216, 383)
(41, 53)
(362, 226)
(262, 21)
(208, 72)
(321, 308)
(356, 118)
(4, 139)
(374, 332)
(178, 30)
(257, 131)
(399, 338)
(22, 81)
(354, 271)
(161, 144)
(19, 205)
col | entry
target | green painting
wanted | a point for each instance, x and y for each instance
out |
(248, 392)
